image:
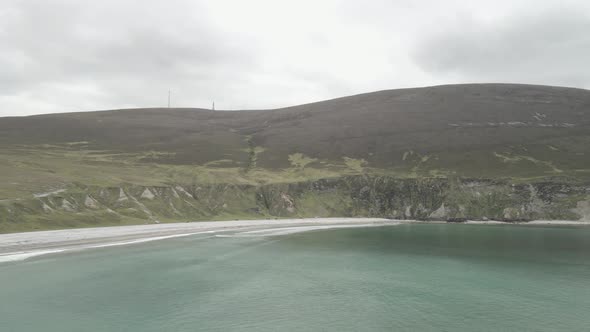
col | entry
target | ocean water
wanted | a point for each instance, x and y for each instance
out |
(394, 278)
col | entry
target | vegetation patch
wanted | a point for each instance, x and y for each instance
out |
(357, 165)
(299, 160)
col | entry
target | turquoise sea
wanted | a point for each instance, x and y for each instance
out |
(418, 277)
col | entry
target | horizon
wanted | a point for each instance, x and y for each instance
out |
(216, 109)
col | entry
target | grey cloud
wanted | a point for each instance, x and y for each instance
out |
(74, 46)
(108, 46)
(71, 55)
(549, 47)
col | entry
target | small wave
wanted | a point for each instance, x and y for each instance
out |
(149, 239)
(20, 256)
(292, 230)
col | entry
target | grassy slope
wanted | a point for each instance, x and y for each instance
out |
(520, 132)
(489, 130)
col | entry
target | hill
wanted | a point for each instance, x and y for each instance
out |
(497, 132)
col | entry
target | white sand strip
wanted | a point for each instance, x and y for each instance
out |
(18, 246)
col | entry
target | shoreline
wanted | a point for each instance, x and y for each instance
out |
(524, 223)
(20, 246)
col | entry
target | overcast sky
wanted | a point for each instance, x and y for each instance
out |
(74, 55)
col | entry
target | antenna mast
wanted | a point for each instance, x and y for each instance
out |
(168, 98)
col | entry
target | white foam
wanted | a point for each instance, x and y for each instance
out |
(20, 256)
(149, 239)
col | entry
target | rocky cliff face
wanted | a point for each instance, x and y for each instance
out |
(429, 199)
(370, 196)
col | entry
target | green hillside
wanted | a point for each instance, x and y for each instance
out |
(518, 134)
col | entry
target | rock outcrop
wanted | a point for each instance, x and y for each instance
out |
(355, 196)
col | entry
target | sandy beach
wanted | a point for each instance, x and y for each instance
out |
(19, 246)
